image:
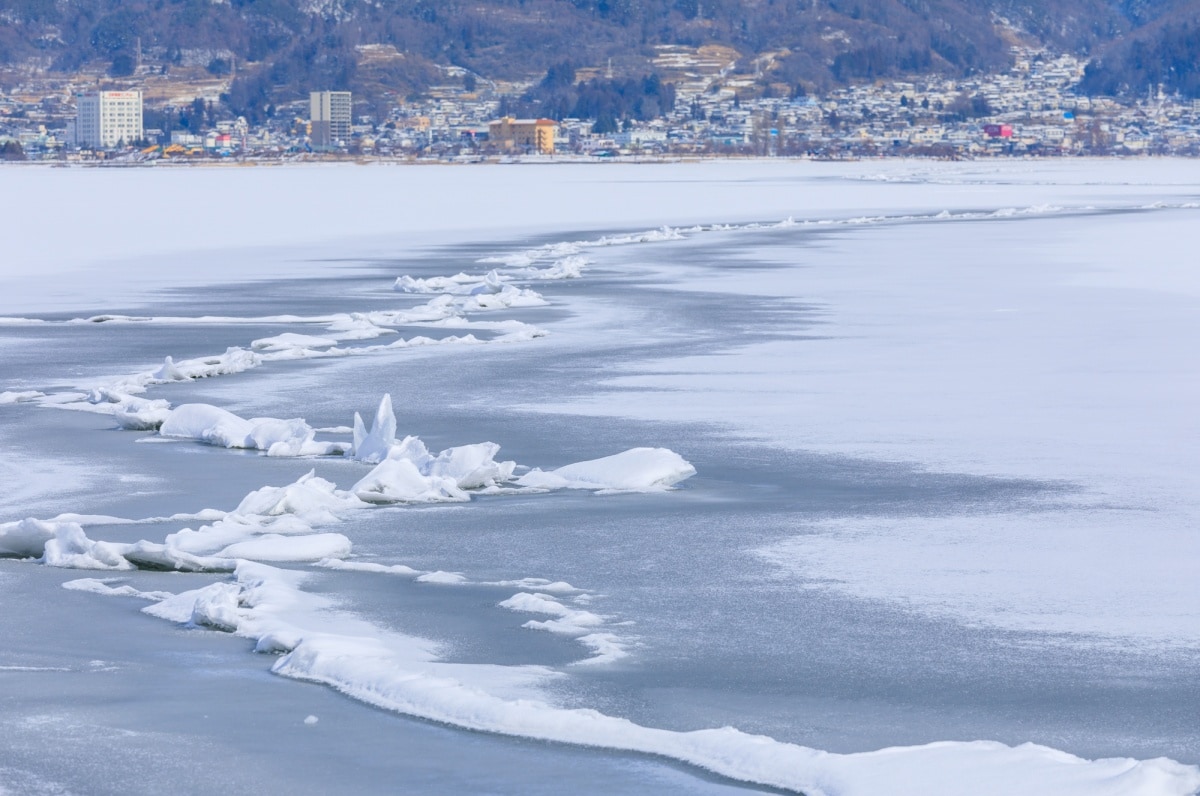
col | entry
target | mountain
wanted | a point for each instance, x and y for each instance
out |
(382, 48)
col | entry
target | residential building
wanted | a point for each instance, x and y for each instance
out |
(535, 135)
(330, 116)
(105, 119)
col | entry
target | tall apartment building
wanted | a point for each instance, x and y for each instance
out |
(535, 135)
(104, 119)
(330, 117)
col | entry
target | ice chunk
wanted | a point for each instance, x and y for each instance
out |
(407, 473)
(71, 548)
(372, 447)
(59, 544)
(290, 340)
(207, 423)
(152, 555)
(635, 470)
(281, 437)
(274, 547)
(140, 414)
(459, 284)
(606, 647)
(368, 566)
(216, 607)
(169, 372)
(414, 450)
(443, 578)
(541, 584)
(356, 326)
(664, 233)
(314, 499)
(399, 481)
(504, 298)
(15, 397)
(472, 466)
(216, 426)
(234, 360)
(570, 267)
(26, 538)
(113, 587)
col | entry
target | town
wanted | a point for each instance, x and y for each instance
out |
(723, 106)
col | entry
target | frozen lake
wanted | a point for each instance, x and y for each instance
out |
(941, 419)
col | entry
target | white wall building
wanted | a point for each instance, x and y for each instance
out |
(330, 114)
(106, 118)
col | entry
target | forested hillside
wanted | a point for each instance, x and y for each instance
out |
(282, 48)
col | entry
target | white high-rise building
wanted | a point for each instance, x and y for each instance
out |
(330, 114)
(104, 119)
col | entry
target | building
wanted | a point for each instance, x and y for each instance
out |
(330, 114)
(106, 119)
(534, 135)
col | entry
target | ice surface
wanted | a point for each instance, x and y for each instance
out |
(1002, 356)
(400, 673)
(1015, 321)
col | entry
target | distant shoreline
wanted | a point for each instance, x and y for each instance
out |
(564, 160)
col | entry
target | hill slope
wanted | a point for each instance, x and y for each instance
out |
(282, 48)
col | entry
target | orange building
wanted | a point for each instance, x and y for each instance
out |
(523, 134)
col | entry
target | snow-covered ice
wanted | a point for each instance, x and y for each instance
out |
(874, 441)
(635, 470)
(217, 426)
